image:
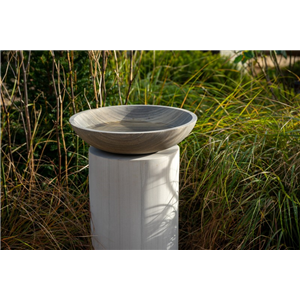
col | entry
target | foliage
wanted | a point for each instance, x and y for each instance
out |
(181, 66)
(248, 55)
(241, 177)
(239, 181)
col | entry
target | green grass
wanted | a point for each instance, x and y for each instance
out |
(239, 185)
(240, 167)
(240, 174)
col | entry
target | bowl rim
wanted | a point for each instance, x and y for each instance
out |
(194, 119)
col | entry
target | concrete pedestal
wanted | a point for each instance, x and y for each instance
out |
(134, 200)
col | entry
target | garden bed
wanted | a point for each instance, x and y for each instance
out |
(240, 167)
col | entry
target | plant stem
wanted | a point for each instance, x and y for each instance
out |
(57, 120)
(27, 116)
(61, 126)
(94, 75)
(2, 171)
(103, 76)
(71, 82)
(130, 77)
(8, 122)
(118, 76)
(3, 180)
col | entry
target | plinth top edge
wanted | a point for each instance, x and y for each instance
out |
(134, 157)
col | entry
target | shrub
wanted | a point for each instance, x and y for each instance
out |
(181, 66)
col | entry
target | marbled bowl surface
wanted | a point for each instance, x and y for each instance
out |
(133, 129)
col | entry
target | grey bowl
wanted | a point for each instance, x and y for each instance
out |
(133, 129)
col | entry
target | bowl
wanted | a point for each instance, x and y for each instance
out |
(133, 129)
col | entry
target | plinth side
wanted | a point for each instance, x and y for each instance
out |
(134, 200)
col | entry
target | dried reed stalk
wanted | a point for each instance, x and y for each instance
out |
(8, 126)
(104, 63)
(61, 126)
(27, 115)
(94, 56)
(57, 122)
(71, 82)
(60, 98)
(131, 76)
(118, 76)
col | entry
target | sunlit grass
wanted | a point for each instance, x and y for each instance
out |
(240, 176)
(240, 167)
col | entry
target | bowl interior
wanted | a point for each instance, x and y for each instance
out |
(133, 118)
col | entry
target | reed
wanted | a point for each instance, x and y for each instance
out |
(49, 217)
(239, 180)
(244, 194)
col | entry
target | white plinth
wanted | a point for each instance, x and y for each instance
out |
(134, 200)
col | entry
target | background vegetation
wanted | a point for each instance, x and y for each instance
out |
(240, 167)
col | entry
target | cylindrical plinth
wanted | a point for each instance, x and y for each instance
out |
(134, 200)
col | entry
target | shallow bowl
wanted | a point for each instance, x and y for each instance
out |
(133, 129)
